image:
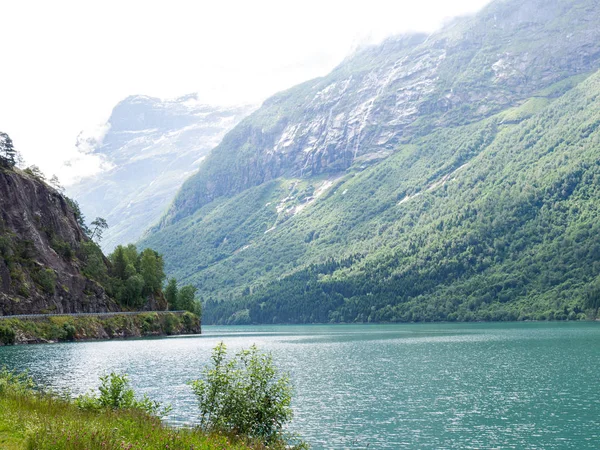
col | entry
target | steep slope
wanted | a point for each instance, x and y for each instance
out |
(512, 234)
(383, 96)
(39, 236)
(332, 203)
(152, 146)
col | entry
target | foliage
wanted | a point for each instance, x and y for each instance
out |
(79, 217)
(171, 292)
(7, 335)
(245, 394)
(46, 279)
(489, 221)
(8, 155)
(183, 299)
(94, 264)
(36, 172)
(55, 183)
(132, 276)
(98, 226)
(111, 419)
(14, 383)
(67, 328)
(46, 422)
(116, 393)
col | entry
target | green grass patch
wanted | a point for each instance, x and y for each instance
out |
(47, 423)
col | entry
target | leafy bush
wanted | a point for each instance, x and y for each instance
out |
(245, 395)
(7, 335)
(62, 248)
(70, 331)
(116, 393)
(15, 383)
(46, 279)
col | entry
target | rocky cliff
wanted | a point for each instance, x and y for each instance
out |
(40, 237)
(384, 96)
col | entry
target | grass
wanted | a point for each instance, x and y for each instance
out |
(34, 419)
(44, 422)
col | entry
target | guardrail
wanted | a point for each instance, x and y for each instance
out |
(106, 314)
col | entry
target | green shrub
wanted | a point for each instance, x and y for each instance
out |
(150, 323)
(62, 248)
(189, 321)
(169, 323)
(7, 335)
(70, 331)
(15, 383)
(46, 279)
(116, 393)
(245, 395)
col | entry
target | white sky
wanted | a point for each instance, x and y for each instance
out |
(65, 64)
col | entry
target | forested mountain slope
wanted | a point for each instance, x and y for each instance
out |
(453, 176)
(151, 147)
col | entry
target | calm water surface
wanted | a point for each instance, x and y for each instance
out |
(383, 386)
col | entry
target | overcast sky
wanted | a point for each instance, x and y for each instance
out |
(65, 64)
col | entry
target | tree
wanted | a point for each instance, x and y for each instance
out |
(99, 225)
(8, 155)
(171, 292)
(36, 172)
(119, 263)
(245, 394)
(79, 217)
(55, 183)
(186, 299)
(152, 270)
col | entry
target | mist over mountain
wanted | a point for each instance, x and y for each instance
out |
(150, 148)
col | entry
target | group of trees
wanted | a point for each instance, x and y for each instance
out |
(134, 278)
(183, 299)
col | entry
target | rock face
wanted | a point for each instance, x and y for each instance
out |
(384, 96)
(39, 239)
(152, 146)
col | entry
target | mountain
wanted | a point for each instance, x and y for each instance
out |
(444, 177)
(39, 238)
(151, 147)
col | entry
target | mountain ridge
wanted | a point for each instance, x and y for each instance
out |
(252, 229)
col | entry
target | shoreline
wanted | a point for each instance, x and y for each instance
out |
(40, 329)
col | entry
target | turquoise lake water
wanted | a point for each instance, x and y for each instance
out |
(515, 385)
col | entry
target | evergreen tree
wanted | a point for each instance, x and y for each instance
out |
(36, 172)
(186, 300)
(171, 293)
(119, 263)
(78, 214)
(8, 154)
(99, 225)
(152, 270)
(55, 183)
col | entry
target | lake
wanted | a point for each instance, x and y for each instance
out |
(501, 385)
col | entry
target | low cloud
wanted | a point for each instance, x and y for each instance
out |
(86, 162)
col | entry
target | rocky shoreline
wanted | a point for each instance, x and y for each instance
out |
(65, 328)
